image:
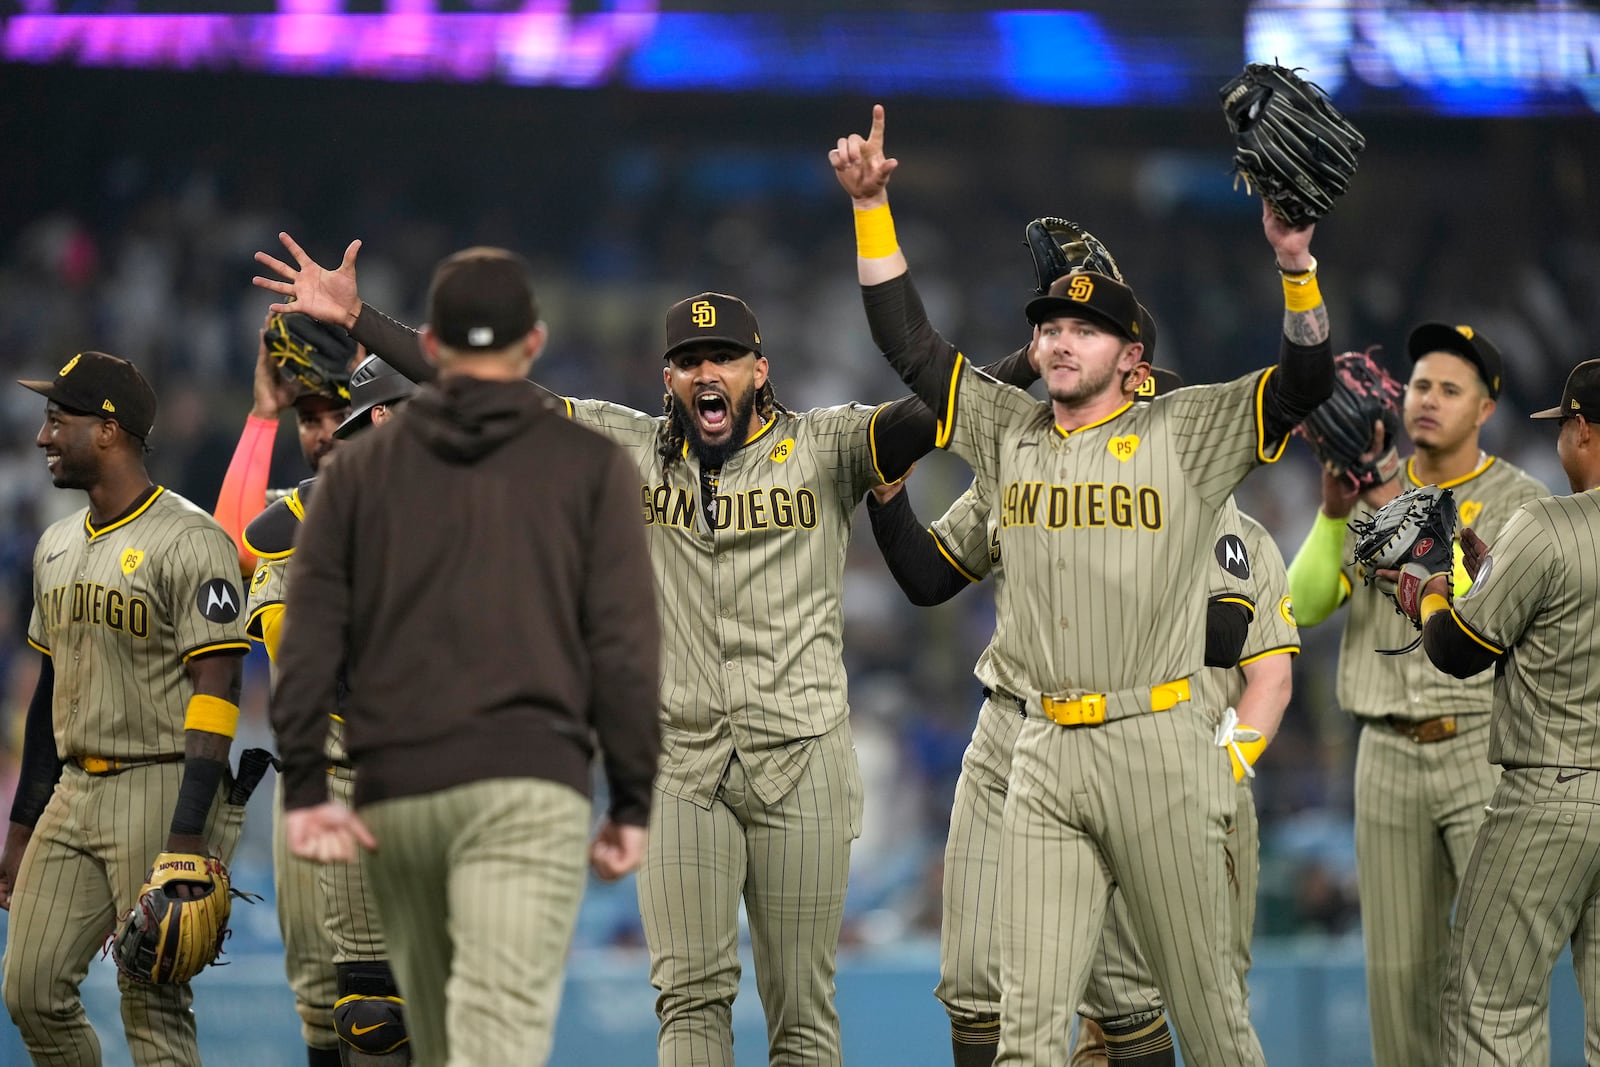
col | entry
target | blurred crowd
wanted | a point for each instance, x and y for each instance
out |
(144, 250)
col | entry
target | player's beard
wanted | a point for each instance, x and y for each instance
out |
(1088, 386)
(713, 454)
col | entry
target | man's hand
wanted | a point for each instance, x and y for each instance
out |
(1474, 552)
(617, 849)
(1339, 498)
(860, 165)
(327, 295)
(17, 837)
(272, 391)
(1292, 244)
(327, 833)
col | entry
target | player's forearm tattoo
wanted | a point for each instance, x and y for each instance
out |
(1306, 327)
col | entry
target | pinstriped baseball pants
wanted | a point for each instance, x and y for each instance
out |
(1145, 803)
(789, 862)
(84, 867)
(478, 889)
(1418, 809)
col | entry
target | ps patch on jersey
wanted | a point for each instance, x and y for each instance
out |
(131, 560)
(218, 600)
(1233, 557)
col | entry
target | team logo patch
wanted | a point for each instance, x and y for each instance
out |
(703, 313)
(1233, 558)
(1147, 388)
(1080, 289)
(259, 580)
(783, 450)
(1286, 609)
(1469, 511)
(131, 560)
(1123, 447)
(218, 600)
(1422, 547)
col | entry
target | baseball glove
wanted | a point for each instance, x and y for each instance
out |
(312, 354)
(1060, 247)
(1414, 534)
(1291, 145)
(167, 939)
(1340, 430)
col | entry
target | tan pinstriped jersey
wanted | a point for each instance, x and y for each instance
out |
(269, 589)
(1110, 523)
(1251, 560)
(750, 609)
(1407, 686)
(1540, 604)
(119, 610)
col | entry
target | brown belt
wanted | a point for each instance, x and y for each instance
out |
(100, 766)
(1422, 731)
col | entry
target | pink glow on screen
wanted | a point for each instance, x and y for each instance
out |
(542, 45)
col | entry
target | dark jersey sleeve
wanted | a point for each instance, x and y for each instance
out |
(914, 559)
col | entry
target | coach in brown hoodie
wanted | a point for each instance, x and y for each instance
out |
(480, 564)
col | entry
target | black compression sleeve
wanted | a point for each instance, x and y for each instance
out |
(202, 778)
(1452, 649)
(396, 342)
(923, 573)
(41, 767)
(1227, 626)
(1304, 379)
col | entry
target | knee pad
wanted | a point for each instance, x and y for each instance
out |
(369, 1017)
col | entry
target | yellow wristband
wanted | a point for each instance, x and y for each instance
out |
(211, 714)
(1431, 603)
(1301, 296)
(875, 233)
(1252, 751)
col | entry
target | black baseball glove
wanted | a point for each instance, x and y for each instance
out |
(1291, 144)
(1414, 534)
(1340, 429)
(312, 354)
(1060, 247)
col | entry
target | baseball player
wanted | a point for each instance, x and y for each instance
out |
(367, 1012)
(1532, 883)
(492, 660)
(748, 509)
(1117, 775)
(137, 612)
(1248, 582)
(1422, 774)
(320, 403)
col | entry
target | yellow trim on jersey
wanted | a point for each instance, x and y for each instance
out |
(946, 419)
(220, 646)
(40, 647)
(140, 510)
(1345, 588)
(1470, 633)
(294, 505)
(212, 714)
(1261, 422)
(872, 447)
(951, 559)
(1411, 473)
(256, 620)
(1243, 601)
(1292, 650)
(766, 428)
(1092, 425)
(260, 555)
(567, 400)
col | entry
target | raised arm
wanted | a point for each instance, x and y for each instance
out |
(333, 297)
(244, 489)
(1304, 375)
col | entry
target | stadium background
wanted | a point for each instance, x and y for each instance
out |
(638, 152)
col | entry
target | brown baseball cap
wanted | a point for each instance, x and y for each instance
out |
(712, 318)
(1581, 396)
(482, 299)
(1463, 341)
(1087, 295)
(93, 383)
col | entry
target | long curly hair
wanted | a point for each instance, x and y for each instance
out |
(669, 445)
